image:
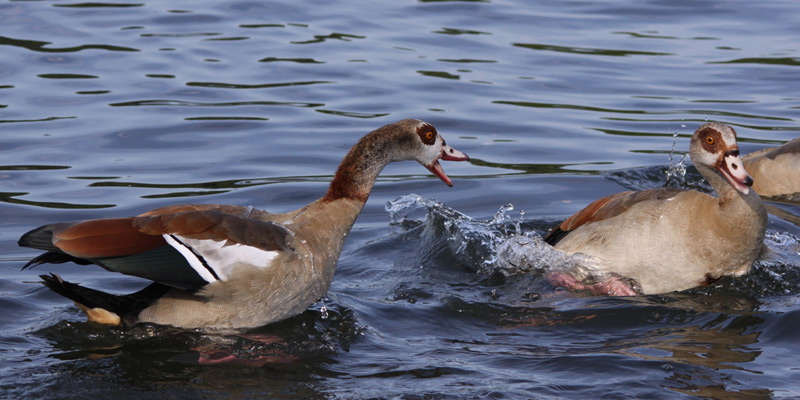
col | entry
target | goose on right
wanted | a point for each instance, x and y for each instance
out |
(775, 170)
(667, 239)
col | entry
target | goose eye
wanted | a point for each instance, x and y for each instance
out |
(427, 134)
(710, 140)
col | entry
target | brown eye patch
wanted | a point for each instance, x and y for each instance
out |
(427, 134)
(712, 139)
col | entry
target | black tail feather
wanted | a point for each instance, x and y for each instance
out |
(126, 306)
(40, 238)
(54, 257)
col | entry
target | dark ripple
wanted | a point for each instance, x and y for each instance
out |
(254, 86)
(67, 76)
(333, 36)
(6, 121)
(645, 112)
(39, 46)
(181, 35)
(183, 103)
(792, 62)
(295, 60)
(31, 167)
(589, 51)
(13, 198)
(352, 114)
(221, 118)
(99, 5)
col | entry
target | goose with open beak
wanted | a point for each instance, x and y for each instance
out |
(227, 266)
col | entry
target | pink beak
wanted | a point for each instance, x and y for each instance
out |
(733, 170)
(448, 154)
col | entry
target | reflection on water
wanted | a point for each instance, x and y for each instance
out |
(324, 329)
(699, 358)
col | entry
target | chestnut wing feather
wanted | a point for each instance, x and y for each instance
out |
(218, 226)
(92, 239)
(135, 246)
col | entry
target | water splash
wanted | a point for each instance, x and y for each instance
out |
(676, 172)
(470, 241)
(783, 241)
(511, 247)
(501, 244)
(528, 253)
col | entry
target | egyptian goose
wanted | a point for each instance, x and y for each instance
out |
(775, 170)
(670, 239)
(225, 266)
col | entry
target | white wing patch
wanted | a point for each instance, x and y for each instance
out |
(214, 261)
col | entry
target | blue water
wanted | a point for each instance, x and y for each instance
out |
(111, 109)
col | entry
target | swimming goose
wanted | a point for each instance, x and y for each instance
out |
(226, 266)
(775, 170)
(670, 239)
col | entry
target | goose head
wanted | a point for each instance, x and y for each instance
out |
(714, 146)
(429, 147)
(408, 139)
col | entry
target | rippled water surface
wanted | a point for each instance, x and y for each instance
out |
(111, 109)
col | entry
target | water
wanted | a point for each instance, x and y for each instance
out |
(111, 109)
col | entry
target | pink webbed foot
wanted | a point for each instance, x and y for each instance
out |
(246, 349)
(611, 286)
(615, 286)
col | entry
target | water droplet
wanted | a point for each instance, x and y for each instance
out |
(676, 173)
(532, 296)
(501, 215)
(518, 224)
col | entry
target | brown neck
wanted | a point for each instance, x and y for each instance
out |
(359, 169)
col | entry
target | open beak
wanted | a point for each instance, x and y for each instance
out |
(733, 170)
(448, 154)
(451, 154)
